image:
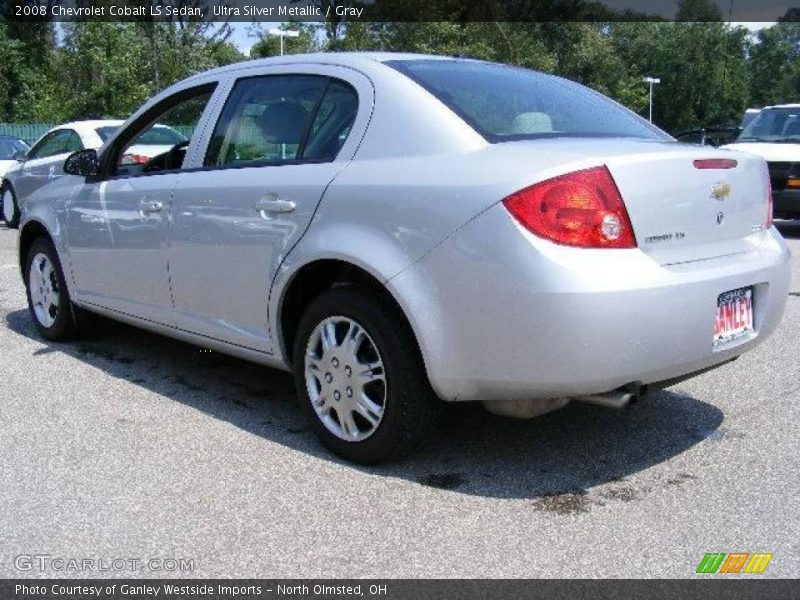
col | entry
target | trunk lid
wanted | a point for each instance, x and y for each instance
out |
(683, 213)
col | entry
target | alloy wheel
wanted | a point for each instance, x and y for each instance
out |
(345, 378)
(8, 206)
(44, 290)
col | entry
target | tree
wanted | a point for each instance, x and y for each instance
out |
(269, 45)
(698, 11)
(583, 52)
(702, 67)
(775, 62)
(102, 71)
(27, 48)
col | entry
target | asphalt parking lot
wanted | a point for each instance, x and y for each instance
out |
(131, 445)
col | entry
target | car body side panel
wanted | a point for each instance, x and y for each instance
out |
(48, 209)
(386, 214)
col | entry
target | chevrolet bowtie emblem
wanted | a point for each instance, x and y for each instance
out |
(720, 191)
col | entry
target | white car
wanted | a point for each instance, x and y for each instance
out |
(44, 162)
(11, 149)
(774, 135)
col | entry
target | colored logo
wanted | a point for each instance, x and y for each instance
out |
(734, 562)
(720, 191)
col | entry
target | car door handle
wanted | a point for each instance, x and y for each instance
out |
(147, 207)
(272, 204)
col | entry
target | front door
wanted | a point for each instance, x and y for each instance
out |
(274, 149)
(45, 161)
(117, 226)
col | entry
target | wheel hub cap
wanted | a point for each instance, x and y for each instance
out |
(43, 286)
(345, 378)
(8, 206)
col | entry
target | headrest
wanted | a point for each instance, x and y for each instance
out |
(793, 128)
(531, 122)
(283, 122)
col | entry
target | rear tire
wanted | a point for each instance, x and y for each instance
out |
(10, 211)
(48, 297)
(372, 372)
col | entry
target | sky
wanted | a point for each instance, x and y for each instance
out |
(242, 37)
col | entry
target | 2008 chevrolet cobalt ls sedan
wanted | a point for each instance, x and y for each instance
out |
(399, 229)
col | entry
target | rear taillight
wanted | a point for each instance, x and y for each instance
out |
(768, 222)
(134, 159)
(581, 209)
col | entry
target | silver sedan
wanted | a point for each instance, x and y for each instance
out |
(400, 230)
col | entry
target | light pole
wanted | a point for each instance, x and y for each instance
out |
(282, 33)
(652, 81)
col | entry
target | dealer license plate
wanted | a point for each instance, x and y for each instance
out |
(734, 316)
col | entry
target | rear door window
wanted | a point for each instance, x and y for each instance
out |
(73, 142)
(332, 123)
(276, 119)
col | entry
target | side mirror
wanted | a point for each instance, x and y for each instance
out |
(19, 155)
(83, 162)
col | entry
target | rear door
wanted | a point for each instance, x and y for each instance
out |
(280, 139)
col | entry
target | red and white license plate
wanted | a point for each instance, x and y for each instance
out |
(734, 316)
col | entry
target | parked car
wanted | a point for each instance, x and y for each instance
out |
(402, 229)
(44, 162)
(749, 115)
(774, 134)
(717, 135)
(11, 151)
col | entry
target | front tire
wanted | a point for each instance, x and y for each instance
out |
(360, 378)
(48, 296)
(10, 209)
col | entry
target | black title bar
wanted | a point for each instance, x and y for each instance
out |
(400, 10)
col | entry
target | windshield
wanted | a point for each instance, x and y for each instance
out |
(775, 125)
(505, 103)
(10, 146)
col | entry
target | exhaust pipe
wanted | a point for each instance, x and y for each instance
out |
(619, 398)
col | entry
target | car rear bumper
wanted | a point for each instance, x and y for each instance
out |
(786, 201)
(502, 315)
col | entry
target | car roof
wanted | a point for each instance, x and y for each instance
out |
(91, 124)
(344, 59)
(789, 105)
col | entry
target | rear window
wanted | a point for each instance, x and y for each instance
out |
(106, 132)
(505, 103)
(160, 135)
